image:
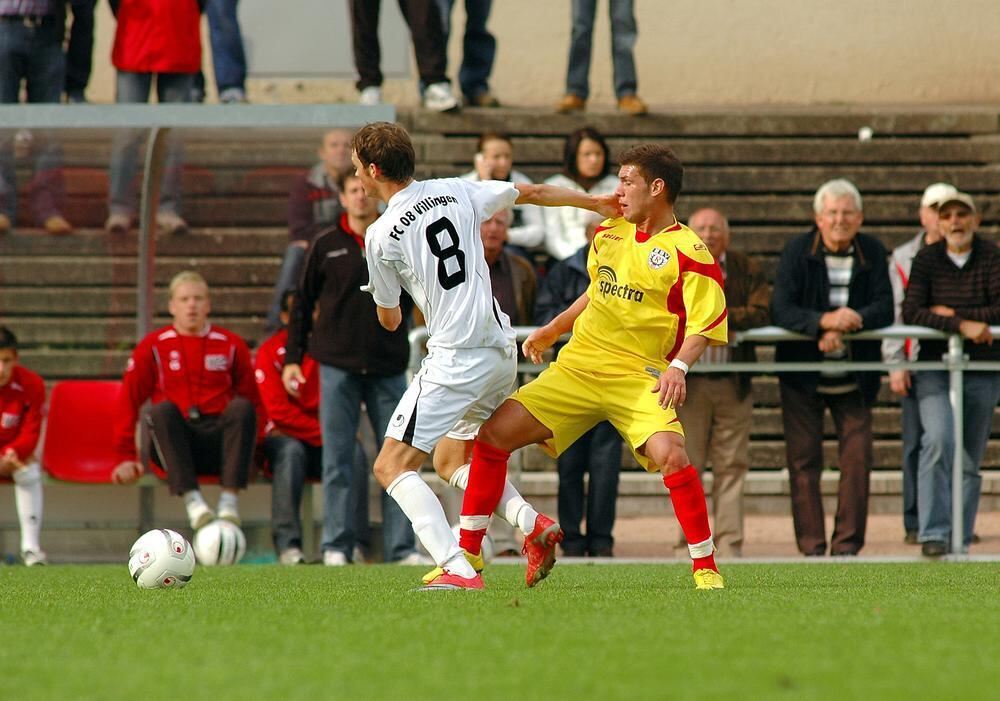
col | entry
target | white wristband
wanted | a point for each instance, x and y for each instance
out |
(680, 365)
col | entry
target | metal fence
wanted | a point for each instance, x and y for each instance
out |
(955, 362)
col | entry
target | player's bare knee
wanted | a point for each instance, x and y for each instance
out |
(386, 470)
(668, 453)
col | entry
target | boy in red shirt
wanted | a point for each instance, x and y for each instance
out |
(22, 397)
(203, 416)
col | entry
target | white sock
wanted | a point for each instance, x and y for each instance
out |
(28, 501)
(193, 500)
(512, 507)
(228, 501)
(422, 507)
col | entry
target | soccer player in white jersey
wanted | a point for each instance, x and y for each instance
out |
(427, 242)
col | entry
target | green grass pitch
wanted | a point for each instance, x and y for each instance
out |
(788, 631)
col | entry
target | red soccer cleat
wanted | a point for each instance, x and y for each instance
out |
(447, 580)
(540, 549)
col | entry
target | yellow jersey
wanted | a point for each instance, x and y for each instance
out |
(647, 293)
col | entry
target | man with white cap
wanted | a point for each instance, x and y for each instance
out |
(955, 287)
(896, 350)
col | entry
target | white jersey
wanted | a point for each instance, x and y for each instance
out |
(427, 242)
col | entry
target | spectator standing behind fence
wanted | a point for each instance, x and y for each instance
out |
(898, 350)
(359, 362)
(79, 50)
(598, 452)
(22, 400)
(293, 443)
(155, 40)
(229, 60)
(424, 20)
(954, 287)
(586, 168)
(719, 409)
(313, 205)
(623, 35)
(31, 51)
(830, 281)
(494, 160)
(479, 49)
(203, 417)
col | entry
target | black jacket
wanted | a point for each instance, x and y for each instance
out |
(346, 333)
(802, 295)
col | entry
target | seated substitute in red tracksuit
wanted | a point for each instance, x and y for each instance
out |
(203, 415)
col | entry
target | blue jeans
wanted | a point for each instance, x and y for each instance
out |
(131, 88)
(228, 58)
(291, 462)
(623, 35)
(599, 454)
(33, 55)
(288, 279)
(341, 395)
(912, 433)
(479, 47)
(981, 390)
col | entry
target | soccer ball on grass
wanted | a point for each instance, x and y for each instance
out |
(161, 559)
(219, 543)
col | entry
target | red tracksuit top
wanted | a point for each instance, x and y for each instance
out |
(21, 403)
(206, 371)
(296, 417)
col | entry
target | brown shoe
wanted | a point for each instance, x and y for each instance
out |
(4, 224)
(170, 223)
(571, 103)
(484, 99)
(631, 104)
(57, 225)
(117, 224)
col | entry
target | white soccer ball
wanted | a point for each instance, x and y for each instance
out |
(220, 542)
(161, 559)
(487, 544)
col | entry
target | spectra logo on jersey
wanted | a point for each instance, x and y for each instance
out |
(607, 284)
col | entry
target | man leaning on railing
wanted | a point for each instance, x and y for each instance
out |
(830, 281)
(955, 287)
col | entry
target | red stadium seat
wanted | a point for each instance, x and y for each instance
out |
(79, 445)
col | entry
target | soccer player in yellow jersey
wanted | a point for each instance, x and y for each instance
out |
(654, 303)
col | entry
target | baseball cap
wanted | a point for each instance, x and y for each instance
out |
(957, 196)
(933, 195)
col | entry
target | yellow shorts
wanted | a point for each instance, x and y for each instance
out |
(569, 402)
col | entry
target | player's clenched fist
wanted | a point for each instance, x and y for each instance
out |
(538, 342)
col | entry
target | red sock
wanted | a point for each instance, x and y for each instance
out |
(688, 498)
(487, 474)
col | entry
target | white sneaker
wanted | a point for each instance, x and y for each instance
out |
(292, 556)
(372, 95)
(334, 558)
(229, 513)
(34, 557)
(199, 514)
(439, 98)
(358, 556)
(415, 558)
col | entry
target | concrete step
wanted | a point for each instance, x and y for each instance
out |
(68, 271)
(119, 301)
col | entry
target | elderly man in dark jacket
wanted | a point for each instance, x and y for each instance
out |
(830, 281)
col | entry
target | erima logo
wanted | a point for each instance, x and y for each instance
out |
(607, 284)
(606, 235)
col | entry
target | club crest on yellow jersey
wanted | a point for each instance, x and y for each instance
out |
(658, 258)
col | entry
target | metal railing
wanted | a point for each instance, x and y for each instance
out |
(955, 362)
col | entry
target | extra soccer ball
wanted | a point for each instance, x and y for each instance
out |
(487, 551)
(219, 543)
(161, 559)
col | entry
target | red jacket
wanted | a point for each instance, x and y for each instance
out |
(298, 418)
(158, 36)
(21, 403)
(205, 371)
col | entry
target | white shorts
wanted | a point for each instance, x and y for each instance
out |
(453, 393)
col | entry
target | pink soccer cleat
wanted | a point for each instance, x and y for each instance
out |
(447, 580)
(540, 549)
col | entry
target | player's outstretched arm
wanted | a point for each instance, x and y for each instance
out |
(542, 338)
(554, 196)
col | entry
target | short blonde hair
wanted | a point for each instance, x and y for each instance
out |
(183, 277)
